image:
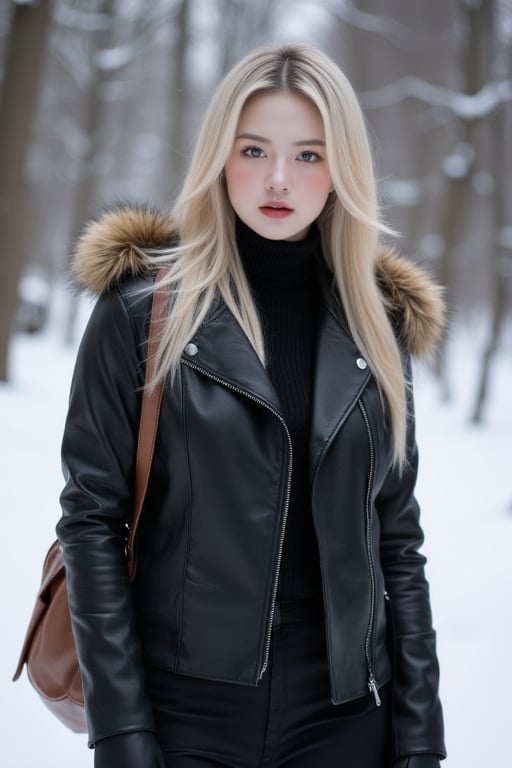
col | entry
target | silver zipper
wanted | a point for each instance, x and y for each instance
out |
(372, 683)
(266, 652)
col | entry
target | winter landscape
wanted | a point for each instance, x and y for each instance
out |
(465, 489)
(101, 103)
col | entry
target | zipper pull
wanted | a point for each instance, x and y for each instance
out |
(372, 685)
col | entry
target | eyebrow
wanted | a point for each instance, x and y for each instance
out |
(301, 143)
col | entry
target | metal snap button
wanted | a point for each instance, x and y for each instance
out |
(361, 363)
(191, 349)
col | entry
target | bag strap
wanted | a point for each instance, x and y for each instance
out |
(149, 415)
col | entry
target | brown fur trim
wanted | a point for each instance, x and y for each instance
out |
(414, 299)
(113, 246)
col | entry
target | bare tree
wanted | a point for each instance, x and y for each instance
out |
(460, 163)
(178, 100)
(23, 62)
(92, 110)
(501, 201)
(242, 26)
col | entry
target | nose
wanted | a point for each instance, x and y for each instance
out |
(278, 180)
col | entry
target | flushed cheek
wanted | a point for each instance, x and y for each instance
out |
(318, 185)
(239, 176)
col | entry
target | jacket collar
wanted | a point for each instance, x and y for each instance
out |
(221, 351)
(116, 245)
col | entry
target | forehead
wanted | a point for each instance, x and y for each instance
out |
(283, 111)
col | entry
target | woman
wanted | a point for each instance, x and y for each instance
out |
(280, 615)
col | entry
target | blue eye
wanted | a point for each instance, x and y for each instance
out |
(309, 157)
(253, 152)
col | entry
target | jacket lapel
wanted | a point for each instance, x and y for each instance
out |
(224, 352)
(340, 375)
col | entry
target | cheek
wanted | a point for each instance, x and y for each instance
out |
(238, 175)
(319, 183)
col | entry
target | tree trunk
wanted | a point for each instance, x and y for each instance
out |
(23, 64)
(179, 102)
(459, 167)
(502, 255)
(499, 310)
(93, 114)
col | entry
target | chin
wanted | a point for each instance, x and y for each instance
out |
(280, 233)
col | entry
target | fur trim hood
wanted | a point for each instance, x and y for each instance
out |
(113, 247)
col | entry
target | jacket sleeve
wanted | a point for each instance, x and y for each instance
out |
(98, 454)
(417, 720)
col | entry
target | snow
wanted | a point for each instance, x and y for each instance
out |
(369, 22)
(465, 106)
(465, 489)
(458, 164)
(110, 59)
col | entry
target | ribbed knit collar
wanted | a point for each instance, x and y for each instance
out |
(277, 264)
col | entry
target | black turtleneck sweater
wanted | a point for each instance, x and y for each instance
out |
(282, 278)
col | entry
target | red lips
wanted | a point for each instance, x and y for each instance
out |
(275, 209)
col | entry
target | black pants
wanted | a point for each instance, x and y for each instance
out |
(288, 720)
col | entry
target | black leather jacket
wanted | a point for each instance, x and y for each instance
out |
(214, 521)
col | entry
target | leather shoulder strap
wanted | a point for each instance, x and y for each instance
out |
(150, 412)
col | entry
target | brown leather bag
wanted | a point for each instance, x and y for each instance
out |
(49, 649)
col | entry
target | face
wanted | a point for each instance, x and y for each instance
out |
(277, 175)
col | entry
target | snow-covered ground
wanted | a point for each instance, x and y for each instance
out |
(465, 489)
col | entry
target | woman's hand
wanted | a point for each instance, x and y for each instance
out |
(418, 761)
(136, 749)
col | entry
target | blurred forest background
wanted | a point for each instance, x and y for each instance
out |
(100, 100)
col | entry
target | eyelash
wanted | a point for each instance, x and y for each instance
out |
(247, 150)
(314, 155)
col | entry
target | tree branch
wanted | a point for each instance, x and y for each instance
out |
(466, 107)
(348, 12)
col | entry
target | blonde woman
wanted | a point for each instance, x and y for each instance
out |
(280, 614)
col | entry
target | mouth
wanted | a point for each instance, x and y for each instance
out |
(276, 210)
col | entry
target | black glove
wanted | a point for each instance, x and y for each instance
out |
(418, 761)
(136, 749)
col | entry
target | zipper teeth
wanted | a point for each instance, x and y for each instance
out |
(280, 547)
(369, 547)
(255, 399)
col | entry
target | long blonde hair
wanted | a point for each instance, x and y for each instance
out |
(206, 262)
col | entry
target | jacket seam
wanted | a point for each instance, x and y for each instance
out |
(372, 559)
(412, 635)
(189, 525)
(120, 732)
(140, 335)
